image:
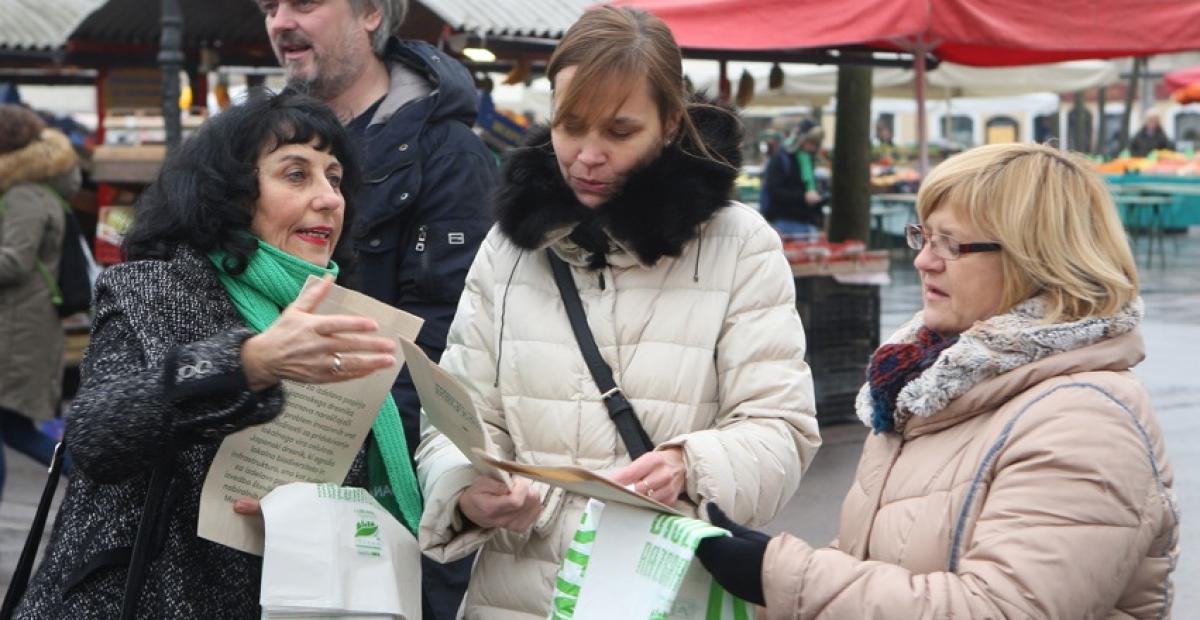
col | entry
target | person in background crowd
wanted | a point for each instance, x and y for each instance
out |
(688, 296)
(38, 171)
(1150, 137)
(190, 341)
(423, 207)
(884, 149)
(794, 197)
(1015, 467)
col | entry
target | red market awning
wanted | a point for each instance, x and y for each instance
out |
(1182, 78)
(969, 32)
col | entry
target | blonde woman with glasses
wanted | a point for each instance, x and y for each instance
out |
(1015, 468)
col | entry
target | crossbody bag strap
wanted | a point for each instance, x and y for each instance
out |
(619, 408)
(20, 577)
(144, 543)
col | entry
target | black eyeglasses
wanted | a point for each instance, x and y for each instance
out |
(944, 246)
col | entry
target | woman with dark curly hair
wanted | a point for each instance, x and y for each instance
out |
(191, 339)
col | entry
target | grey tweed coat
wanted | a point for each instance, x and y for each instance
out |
(134, 409)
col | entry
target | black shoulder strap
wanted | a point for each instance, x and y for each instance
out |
(144, 543)
(20, 576)
(619, 409)
(137, 557)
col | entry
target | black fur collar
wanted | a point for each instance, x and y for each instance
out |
(659, 209)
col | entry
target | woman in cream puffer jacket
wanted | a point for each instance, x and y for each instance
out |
(711, 358)
(692, 305)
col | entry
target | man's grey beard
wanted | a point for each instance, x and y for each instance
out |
(319, 86)
(332, 74)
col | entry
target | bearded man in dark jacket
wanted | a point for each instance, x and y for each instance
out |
(424, 208)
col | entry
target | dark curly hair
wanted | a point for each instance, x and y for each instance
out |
(204, 196)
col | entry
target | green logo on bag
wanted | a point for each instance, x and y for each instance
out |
(365, 528)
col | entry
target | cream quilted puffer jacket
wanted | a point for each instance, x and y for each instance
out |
(708, 347)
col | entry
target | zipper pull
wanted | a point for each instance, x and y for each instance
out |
(602, 280)
(422, 232)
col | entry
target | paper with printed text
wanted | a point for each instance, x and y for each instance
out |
(582, 482)
(314, 439)
(448, 407)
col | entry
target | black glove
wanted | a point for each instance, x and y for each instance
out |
(735, 562)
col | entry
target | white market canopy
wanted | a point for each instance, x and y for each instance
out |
(816, 84)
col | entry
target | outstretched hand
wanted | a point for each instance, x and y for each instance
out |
(735, 561)
(313, 348)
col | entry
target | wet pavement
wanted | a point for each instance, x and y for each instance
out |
(1171, 330)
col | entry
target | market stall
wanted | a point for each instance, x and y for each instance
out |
(1166, 174)
(968, 32)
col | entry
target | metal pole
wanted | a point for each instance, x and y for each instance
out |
(922, 120)
(170, 57)
(1130, 91)
(724, 89)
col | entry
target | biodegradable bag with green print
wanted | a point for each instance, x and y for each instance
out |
(638, 564)
(334, 552)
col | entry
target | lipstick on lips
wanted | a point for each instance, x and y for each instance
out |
(317, 235)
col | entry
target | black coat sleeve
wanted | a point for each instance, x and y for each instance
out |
(144, 394)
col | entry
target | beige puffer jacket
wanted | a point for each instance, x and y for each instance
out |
(1040, 492)
(707, 345)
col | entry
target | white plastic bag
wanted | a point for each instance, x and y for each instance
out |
(628, 562)
(334, 552)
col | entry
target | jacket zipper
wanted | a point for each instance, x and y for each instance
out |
(422, 235)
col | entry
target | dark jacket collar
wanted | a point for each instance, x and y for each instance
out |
(452, 96)
(659, 209)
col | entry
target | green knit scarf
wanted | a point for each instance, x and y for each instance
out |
(805, 160)
(272, 280)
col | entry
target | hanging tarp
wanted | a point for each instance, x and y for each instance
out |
(815, 84)
(971, 32)
(1182, 78)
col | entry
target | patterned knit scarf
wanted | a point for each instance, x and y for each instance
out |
(893, 366)
(272, 280)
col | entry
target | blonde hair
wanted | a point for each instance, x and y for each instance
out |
(1053, 217)
(607, 45)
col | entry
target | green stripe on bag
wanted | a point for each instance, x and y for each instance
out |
(740, 612)
(715, 601)
(577, 557)
(567, 587)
